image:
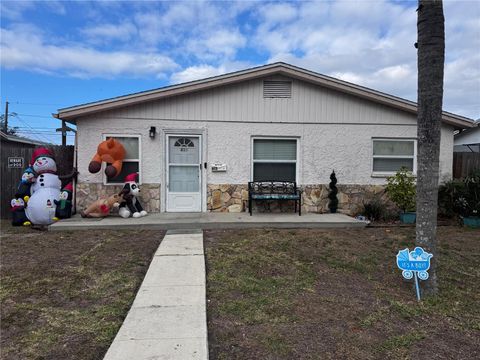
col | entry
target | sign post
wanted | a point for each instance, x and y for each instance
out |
(414, 264)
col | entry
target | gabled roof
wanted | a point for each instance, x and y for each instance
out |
(71, 113)
(19, 139)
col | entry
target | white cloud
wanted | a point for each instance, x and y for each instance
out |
(200, 30)
(221, 44)
(24, 48)
(14, 9)
(370, 44)
(197, 72)
(277, 13)
(373, 46)
(106, 32)
(462, 86)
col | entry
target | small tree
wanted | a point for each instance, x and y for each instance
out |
(333, 203)
(401, 189)
(12, 130)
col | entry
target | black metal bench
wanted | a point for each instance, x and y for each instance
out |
(274, 190)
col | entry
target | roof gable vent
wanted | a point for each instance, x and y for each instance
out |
(277, 89)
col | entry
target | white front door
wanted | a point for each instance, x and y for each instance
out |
(184, 173)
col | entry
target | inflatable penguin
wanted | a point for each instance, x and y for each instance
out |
(23, 190)
(64, 205)
(45, 190)
(18, 212)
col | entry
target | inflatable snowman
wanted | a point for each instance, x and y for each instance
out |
(45, 190)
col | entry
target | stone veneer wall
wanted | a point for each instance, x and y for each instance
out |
(350, 198)
(88, 193)
(227, 198)
(234, 198)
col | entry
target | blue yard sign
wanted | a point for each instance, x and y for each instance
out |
(414, 264)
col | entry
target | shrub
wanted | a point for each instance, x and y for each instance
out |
(460, 197)
(469, 201)
(333, 203)
(374, 210)
(448, 197)
(401, 189)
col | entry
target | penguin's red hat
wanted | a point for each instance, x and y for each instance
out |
(131, 177)
(68, 187)
(39, 152)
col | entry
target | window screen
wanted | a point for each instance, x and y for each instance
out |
(131, 162)
(274, 159)
(391, 155)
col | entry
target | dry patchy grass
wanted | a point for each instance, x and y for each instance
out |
(64, 295)
(337, 294)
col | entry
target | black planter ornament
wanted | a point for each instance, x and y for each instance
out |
(333, 203)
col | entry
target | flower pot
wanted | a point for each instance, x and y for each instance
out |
(472, 221)
(408, 217)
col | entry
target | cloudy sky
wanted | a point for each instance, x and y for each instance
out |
(61, 53)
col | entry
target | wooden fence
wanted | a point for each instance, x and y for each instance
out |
(10, 177)
(464, 163)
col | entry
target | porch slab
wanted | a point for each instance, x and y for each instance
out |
(211, 220)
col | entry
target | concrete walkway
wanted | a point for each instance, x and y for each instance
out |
(211, 220)
(168, 316)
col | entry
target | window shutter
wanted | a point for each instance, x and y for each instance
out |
(277, 89)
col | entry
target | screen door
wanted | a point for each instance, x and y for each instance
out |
(184, 173)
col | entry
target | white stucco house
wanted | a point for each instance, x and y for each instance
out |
(196, 145)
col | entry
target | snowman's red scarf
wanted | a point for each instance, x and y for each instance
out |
(47, 172)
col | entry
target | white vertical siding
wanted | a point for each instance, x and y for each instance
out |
(335, 131)
(244, 102)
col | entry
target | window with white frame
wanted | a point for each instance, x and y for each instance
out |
(389, 155)
(131, 163)
(274, 159)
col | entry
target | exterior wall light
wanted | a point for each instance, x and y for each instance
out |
(152, 132)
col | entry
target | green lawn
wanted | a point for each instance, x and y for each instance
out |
(337, 294)
(64, 295)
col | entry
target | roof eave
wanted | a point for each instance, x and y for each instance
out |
(70, 114)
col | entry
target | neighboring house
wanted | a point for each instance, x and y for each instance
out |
(275, 122)
(468, 140)
(16, 153)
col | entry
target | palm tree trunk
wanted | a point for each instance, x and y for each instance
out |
(431, 58)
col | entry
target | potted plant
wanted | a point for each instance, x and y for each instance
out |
(469, 200)
(401, 189)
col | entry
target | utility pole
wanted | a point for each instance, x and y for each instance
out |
(64, 130)
(5, 124)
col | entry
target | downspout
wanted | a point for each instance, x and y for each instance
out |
(75, 164)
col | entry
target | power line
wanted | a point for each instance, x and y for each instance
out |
(39, 104)
(42, 132)
(36, 135)
(39, 132)
(34, 115)
(34, 127)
